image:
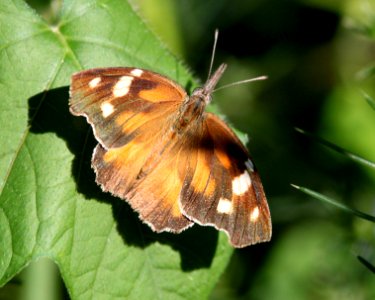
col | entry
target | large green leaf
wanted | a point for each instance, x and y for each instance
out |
(49, 203)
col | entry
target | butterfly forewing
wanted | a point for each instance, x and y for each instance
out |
(223, 188)
(118, 101)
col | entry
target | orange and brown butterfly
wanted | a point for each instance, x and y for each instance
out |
(174, 163)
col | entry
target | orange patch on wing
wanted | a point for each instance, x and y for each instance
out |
(176, 212)
(154, 118)
(124, 117)
(169, 192)
(202, 175)
(223, 157)
(112, 155)
(118, 156)
(161, 93)
(162, 182)
(136, 121)
(126, 155)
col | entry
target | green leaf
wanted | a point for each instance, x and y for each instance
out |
(366, 263)
(333, 202)
(50, 205)
(369, 100)
(340, 150)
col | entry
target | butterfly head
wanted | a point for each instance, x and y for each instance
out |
(193, 108)
(204, 93)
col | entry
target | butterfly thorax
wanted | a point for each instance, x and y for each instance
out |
(191, 112)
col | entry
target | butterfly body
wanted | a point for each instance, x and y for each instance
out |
(191, 113)
(174, 163)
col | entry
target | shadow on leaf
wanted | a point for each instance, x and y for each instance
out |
(49, 112)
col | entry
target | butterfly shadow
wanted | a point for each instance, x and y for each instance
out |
(49, 112)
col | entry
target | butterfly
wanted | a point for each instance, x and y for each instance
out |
(174, 163)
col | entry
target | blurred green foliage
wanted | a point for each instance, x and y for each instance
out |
(319, 56)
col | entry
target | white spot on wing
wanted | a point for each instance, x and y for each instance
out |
(122, 86)
(94, 82)
(136, 72)
(254, 214)
(107, 109)
(224, 206)
(241, 184)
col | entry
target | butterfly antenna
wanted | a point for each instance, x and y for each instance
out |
(213, 52)
(240, 82)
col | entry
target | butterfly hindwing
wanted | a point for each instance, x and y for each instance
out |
(156, 192)
(148, 182)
